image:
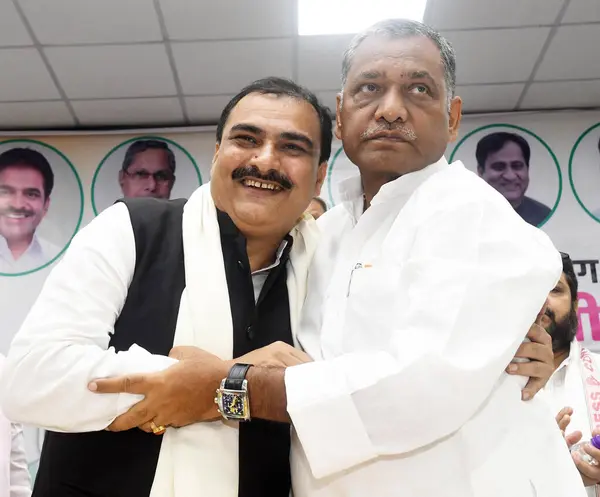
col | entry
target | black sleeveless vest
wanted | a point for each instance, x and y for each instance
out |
(107, 464)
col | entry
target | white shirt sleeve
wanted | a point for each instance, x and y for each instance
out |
(63, 343)
(474, 283)
(20, 482)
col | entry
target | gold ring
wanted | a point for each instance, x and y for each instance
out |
(157, 430)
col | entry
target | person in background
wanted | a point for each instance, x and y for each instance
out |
(225, 270)
(148, 170)
(14, 475)
(26, 182)
(317, 207)
(422, 288)
(574, 388)
(503, 162)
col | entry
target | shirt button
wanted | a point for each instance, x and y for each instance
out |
(250, 332)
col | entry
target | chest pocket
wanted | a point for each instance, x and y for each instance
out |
(372, 306)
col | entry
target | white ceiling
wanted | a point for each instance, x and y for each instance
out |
(99, 63)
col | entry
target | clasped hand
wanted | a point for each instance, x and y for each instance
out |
(184, 393)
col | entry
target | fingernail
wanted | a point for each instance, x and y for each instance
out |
(526, 395)
(512, 368)
(92, 386)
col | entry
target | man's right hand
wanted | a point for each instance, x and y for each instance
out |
(277, 355)
(563, 418)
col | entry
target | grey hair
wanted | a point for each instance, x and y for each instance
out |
(404, 28)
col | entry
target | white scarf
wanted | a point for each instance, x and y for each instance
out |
(201, 460)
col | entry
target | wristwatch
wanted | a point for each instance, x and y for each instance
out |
(232, 396)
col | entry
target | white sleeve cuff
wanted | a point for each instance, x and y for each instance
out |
(325, 418)
(139, 360)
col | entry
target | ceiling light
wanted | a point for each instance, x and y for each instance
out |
(327, 17)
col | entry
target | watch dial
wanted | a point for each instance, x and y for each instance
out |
(233, 404)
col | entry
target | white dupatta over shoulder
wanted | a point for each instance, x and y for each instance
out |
(201, 460)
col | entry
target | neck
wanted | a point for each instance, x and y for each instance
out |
(373, 183)
(261, 251)
(559, 357)
(19, 247)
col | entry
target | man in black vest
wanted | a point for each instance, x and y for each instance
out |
(225, 270)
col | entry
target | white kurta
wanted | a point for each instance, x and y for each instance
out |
(413, 311)
(565, 389)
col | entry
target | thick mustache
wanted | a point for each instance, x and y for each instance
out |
(272, 176)
(18, 212)
(405, 133)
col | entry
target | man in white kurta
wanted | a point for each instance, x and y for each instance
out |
(574, 387)
(408, 397)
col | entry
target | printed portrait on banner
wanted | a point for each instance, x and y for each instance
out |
(145, 166)
(518, 164)
(41, 205)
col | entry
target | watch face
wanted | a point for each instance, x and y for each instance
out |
(234, 404)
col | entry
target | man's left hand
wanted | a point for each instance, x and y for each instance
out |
(541, 361)
(181, 395)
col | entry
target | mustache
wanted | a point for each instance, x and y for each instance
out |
(406, 133)
(272, 175)
(18, 212)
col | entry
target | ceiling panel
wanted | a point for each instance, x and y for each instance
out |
(468, 14)
(572, 54)
(498, 55)
(158, 111)
(583, 11)
(206, 109)
(113, 71)
(320, 61)
(12, 29)
(35, 115)
(225, 67)
(487, 98)
(27, 79)
(563, 94)
(59, 22)
(228, 19)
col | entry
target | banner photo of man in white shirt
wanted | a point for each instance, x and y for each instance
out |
(26, 182)
(422, 288)
(574, 388)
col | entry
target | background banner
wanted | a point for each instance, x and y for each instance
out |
(547, 164)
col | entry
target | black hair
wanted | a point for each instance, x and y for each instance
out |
(139, 146)
(493, 142)
(321, 202)
(570, 275)
(280, 86)
(26, 157)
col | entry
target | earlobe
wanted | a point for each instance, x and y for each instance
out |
(454, 118)
(338, 122)
(321, 174)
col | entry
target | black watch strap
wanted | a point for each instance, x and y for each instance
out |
(237, 375)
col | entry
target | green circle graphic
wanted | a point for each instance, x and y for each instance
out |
(571, 182)
(79, 184)
(131, 140)
(330, 172)
(530, 133)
